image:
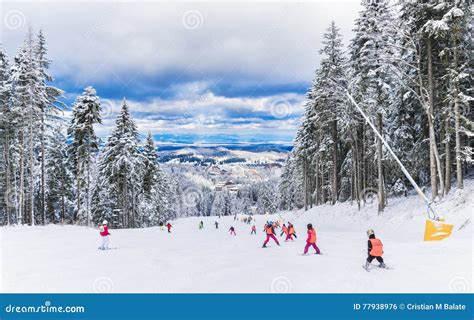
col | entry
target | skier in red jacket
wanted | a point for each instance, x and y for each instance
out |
(104, 234)
(168, 225)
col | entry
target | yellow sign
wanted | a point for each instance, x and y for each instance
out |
(437, 230)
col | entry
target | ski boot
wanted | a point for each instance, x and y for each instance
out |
(382, 265)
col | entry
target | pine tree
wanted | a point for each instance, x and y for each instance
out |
(6, 130)
(86, 113)
(373, 83)
(48, 107)
(59, 181)
(122, 165)
(27, 99)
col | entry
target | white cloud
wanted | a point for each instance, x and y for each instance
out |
(95, 42)
(208, 114)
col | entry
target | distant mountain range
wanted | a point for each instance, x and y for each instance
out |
(220, 154)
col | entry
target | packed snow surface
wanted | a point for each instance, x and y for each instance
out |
(65, 258)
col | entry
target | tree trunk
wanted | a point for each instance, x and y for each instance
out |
(457, 120)
(334, 187)
(87, 193)
(31, 163)
(78, 187)
(447, 152)
(381, 193)
(305, 184)
(363, 162)
(316, 187)
(63, 200)
(358, 182)
(43, 192)
(20, 203)
(435, 164)
(7, 176)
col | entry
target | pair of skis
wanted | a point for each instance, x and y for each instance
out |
(367, 268)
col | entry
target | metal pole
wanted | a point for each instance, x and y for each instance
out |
(404, 170)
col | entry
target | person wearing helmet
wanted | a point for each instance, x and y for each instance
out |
(104, 234)
(311, 240)
(232, 231)
(168, 225)
(375, 250)
(270, 234)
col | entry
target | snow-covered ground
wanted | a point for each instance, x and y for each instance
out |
(66, 259)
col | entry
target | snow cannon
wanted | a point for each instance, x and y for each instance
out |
(436, 230)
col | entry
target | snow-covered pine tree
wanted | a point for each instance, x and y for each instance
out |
(27, 99)
(372, 81)
(48, 107)
(122, 167)
(267, 197)
(6, 131)
(59, 179)
(154, 200)
(291, 187)
(456, 22)
(84, 145)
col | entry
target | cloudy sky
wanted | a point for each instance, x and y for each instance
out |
(193, 72)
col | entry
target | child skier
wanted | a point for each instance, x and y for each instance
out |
(290, 225)
(290, 233)
(217, 225)
(269, 230)
(168, 225)
(232, 231)
(375, 250)
(104, 234)
(161, 226)
(201, 225)
(284, 230)
(311, 241)
(254, 230)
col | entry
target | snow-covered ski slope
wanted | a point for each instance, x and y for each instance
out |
(66, 259)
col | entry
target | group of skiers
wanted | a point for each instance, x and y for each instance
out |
(289, 231)
(374, 245)
(168, 226)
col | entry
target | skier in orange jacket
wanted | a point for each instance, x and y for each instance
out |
(375, 250)
(269, 230)
(291, 232)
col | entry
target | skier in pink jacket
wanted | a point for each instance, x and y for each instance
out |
(104, 234)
